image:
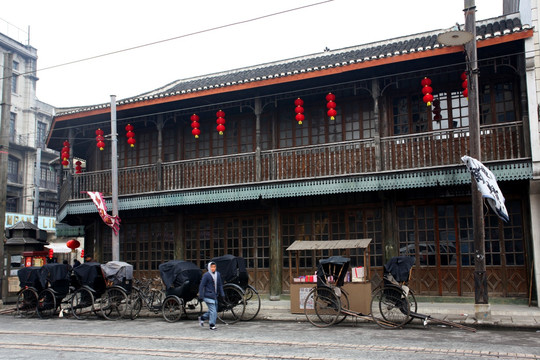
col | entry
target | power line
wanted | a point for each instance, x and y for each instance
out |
(179, 37)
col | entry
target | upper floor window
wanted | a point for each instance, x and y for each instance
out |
(454, 111)
(410, 115)
(12, 124)
(497, 102)
(41, 134)
(14, 77)
(13, 169)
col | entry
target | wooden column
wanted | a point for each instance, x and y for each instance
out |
(179, 241)
(375, 93)
(276, 254)
(258, 166)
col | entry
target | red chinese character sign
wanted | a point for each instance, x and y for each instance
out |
(112, 221)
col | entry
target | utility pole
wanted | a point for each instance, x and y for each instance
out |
(114, 178)
(481, 305)
(4, 151)
(37, 178)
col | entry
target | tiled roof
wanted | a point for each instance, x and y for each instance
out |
(422, 42)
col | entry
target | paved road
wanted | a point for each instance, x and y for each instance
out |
(153, 338)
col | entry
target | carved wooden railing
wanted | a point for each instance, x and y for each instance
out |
(397, 153)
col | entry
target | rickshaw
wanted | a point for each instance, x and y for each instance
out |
(235, 278)
(182, 280)
(92, 285)
(119, 281)
(393, 304)
(30, 283)
(55, 280)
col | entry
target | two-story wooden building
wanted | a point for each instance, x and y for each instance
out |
(386, 168)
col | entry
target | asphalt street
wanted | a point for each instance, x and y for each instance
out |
(153, 338)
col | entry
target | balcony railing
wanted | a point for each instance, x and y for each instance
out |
(398, 153)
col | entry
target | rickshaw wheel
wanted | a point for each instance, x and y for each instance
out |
(344, 299)
(231, 308)
(46, 306)
(114, 303)
(134, 303)
(82, 303)
(253, 303)
(27, 301)
(413, 305)
(193, 308)
(390, 308)
(172, 308)
(322, 306)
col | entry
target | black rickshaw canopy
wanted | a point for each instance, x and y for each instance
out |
(232, 269)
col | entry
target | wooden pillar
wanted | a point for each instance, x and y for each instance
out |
(276, 253)
(258, 166)
(390, 236)
(375, 93)
(98, 243)
(179, 241)
(159, 175)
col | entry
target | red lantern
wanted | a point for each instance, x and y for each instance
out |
(51, 253)
(99, 138)
(82, 253)
(65, 153)
(437, 110)
(73, 244)
(299, 110)
(130, 135)
(78, 167)
(195, 125)
(427, 90)
(331, 105)
(465, 84)
(220, 121)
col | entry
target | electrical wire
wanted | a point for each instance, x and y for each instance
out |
(177, 37)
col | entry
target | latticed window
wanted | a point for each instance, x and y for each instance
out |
(497, 102)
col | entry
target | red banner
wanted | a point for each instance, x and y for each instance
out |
(109, 220)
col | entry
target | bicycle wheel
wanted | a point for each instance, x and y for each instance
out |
(413, 305)
(134, 303)
(344, 299)
(193, 308)
(46, 306)
(390, 308)
(231, 308)
(27, 301)
(172, 308)
(322, 306)
(82, 303)
(114, 303)
(253, 303)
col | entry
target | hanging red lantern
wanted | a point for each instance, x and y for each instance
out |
(299, 110)
(78, 167)
(220, 121)
(82, 253)
(51, 253)
(195, 126)
(130, 135)
(73, 244)
(427, 90)
(65, 153)
(99, 138)
(437, 110)
(331, 105)
(465, 85)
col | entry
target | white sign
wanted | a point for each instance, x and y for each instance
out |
(44, 222)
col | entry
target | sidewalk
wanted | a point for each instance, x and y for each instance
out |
(503, 315)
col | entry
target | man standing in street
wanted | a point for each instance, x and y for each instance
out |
(211, 285)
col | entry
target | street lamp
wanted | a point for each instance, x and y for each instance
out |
(467, 38)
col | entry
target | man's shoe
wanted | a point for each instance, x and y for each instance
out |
(201, 322)
(213, 327)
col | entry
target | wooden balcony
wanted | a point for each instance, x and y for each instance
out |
(433, 149)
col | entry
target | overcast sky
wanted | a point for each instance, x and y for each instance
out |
(63, 31)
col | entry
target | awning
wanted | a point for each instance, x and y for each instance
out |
(329, 244)
(59, 248)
